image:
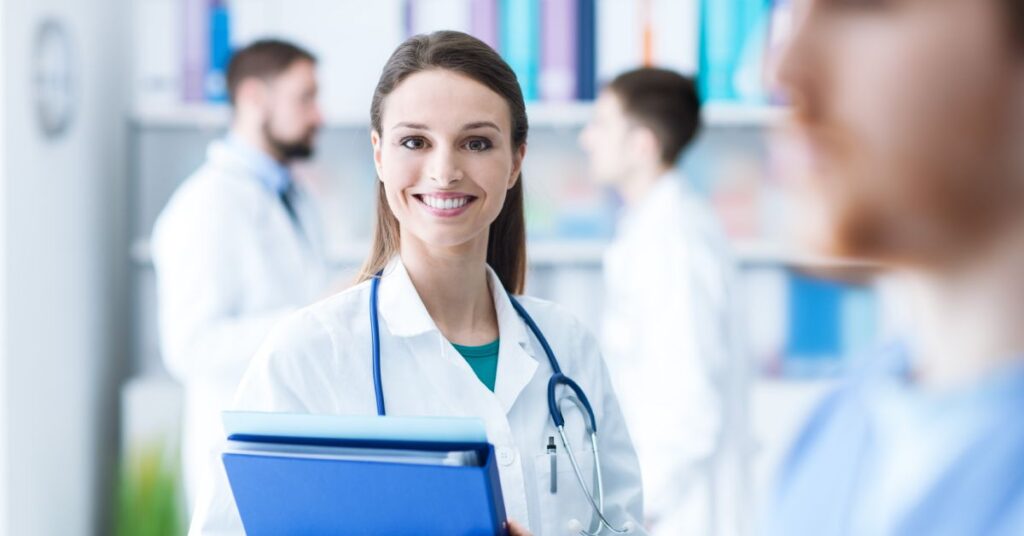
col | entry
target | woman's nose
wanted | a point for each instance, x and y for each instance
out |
(445, 169)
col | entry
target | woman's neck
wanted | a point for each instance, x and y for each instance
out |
(969, 320)
(453, 284)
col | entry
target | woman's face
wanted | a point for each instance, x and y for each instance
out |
(446, 158)
(910, 116)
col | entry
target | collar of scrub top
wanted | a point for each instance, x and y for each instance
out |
(273, 175)
(402, 311)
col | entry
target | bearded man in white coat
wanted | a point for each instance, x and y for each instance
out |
(238, 246)
(668, 323)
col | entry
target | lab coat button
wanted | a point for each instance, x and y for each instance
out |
(506, 456)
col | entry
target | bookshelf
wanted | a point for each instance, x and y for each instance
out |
(588, 253)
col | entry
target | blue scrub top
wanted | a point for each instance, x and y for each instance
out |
(882, 456)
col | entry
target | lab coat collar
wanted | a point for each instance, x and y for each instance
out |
(399, 304)
(668, 187)
(234, 152)
(516, 360)
(405, 315)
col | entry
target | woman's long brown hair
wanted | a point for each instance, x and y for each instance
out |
(468, 56)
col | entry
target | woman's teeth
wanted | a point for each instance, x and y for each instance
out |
(445, 204)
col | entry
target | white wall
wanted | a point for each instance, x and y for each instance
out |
(64, 265)
(4, 429)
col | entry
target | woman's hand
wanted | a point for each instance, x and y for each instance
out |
(515, 529)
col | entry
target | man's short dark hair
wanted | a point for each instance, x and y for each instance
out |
(665, 102)
(1016, 17)
(263, 59)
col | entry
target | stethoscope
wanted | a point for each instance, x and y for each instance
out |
(555, 410)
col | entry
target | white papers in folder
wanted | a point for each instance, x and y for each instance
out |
(358, 427)
(470, 458)
(245, 429)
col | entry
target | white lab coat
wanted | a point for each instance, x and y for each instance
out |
(668, 345)
(230, 263)
(318, 361)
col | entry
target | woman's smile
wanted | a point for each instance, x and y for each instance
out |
(445, 205)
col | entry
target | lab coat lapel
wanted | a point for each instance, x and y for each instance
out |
(445, 384)
(517, 363)
(399, 304)
(405, 316)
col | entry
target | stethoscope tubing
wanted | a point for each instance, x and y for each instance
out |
(555, 411)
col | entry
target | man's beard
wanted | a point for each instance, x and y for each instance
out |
(289, 150)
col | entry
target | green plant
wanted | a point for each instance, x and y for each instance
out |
(148, 498)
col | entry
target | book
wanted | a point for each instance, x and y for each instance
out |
(195, 56)
(520, 42)
(483, 21)
(558, 50)
(215, 80)
(586, 49)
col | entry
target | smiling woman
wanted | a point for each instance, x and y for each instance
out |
(452, 66)
(446, 173)
(445, 335)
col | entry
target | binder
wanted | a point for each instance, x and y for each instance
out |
(520, 42)
(314, 483)
(586, 50)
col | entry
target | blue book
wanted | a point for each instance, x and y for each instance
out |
(815, 322)
(720, 41)
(520, 42)
(308, 475)
(215, 83)
(586, 50)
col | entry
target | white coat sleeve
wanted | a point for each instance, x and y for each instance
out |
(620, 468)
(285, 376)
(195, 255)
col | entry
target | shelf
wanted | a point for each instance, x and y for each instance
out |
(587, 253)
(764, 252)
(718, 114)
(541, 253)
(542, 115)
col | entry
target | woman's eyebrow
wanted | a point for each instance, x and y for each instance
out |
(417, 126)
(481, 124)
(467, 126)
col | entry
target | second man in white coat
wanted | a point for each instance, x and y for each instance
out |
(666, 331)
(238, 246)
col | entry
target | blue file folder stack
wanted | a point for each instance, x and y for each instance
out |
(320, 475)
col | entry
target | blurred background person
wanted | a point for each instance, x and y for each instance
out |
(668, 278)
(908, 124)
(238, 246)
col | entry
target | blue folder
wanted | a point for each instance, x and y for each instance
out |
(292, 492)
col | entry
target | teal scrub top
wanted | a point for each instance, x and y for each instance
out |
(483, 360)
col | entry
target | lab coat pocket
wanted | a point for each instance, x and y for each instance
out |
(561, 497)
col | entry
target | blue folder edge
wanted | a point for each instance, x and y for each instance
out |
(254, 477)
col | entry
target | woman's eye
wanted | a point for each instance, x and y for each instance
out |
(478, 144)
(413, 143)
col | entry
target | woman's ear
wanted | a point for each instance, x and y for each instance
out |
(517, 165)
(376, 141)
